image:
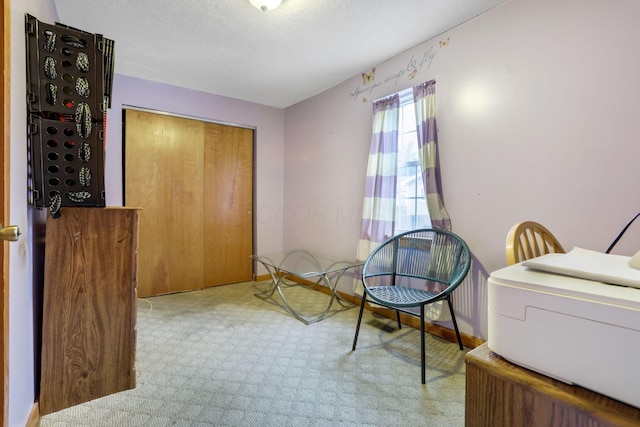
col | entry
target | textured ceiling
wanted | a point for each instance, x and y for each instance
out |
(276, 58)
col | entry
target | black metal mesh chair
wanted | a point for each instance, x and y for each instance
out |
(413, 269)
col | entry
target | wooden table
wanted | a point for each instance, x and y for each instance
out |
(499, 393)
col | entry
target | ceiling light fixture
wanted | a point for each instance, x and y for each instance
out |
(265, 5)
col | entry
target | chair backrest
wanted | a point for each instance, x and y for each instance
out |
(529, 239)
(428, 255)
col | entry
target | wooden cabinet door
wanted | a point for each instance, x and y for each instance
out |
(193, 181)
(89, 311)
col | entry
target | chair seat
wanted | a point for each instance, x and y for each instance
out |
(400, 296)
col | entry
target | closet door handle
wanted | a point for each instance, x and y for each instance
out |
(10, 233)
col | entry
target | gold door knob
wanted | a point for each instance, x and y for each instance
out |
(10, 233)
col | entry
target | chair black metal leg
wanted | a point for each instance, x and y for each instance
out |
(355, 338)
(422, 350)
(398, 317)
(455, 324)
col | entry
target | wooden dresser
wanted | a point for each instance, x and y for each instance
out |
(89, 298)
(499, 393)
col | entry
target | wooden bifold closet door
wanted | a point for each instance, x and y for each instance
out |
(194, 183)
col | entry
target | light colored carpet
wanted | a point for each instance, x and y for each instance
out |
(223, 357)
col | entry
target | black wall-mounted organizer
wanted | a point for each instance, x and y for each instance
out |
(69, 82)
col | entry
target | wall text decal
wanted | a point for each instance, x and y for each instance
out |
(415, 64)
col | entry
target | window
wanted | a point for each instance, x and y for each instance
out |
(411, 204)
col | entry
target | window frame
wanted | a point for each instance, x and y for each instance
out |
(406, 99)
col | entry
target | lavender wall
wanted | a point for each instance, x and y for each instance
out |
(268, 123)
(537, 115)
(26, 255)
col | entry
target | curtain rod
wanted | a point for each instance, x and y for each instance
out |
(403, 92)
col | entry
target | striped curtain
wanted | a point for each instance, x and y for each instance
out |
(424, 97)
(378, 210)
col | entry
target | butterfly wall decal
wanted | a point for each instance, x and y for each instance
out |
(445, 42)
(368, 77)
